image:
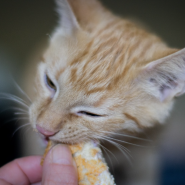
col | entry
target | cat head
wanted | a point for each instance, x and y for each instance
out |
(101, 74)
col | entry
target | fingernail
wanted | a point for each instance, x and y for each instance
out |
(61, 155)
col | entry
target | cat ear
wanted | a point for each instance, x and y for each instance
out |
(166, 76)
(67, 19)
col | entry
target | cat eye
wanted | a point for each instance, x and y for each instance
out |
(50, 84)
(89, 114)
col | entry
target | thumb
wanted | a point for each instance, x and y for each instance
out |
(59, 167)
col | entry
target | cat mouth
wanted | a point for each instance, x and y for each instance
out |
(47, 139)
(44, 139)
(71, 141)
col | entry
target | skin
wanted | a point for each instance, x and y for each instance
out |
(58, 168)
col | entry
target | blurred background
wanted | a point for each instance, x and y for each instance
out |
(25, 27)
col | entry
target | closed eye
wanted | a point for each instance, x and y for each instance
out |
(89, 114)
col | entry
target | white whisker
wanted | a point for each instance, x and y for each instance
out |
(14, 98)
(109, 151)
(19, 128)
(123, 141)
(28, 129)
(14, 108)
(125, 135)
(16, 119)
(105, 150)
(105, 147)
(20, 113)
(22, 110)
(20, 89)
(123, 150)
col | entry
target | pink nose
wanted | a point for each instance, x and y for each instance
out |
(45, 132)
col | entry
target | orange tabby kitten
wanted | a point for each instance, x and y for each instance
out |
(102, 74)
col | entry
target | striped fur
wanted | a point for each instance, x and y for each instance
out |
(98, 65)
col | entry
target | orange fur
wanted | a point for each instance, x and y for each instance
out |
(98, 61)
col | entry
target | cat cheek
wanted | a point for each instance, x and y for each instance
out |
(32, 116)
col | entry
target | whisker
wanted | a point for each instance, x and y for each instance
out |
(8, 121)
(21, 90)
(14, 108)
(108, 151)
(19, 109)
(104, 149)
(14, 98)
(19, 128)
(17, 119)
(20, 113)
(28, 129)
(122, 149)
(125, 135)
(123, 141)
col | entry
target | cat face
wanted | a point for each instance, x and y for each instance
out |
(101, 77)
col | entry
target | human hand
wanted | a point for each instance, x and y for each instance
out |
(58, 168)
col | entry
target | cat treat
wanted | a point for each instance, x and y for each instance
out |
(92, 168)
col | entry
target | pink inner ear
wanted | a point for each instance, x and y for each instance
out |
(167, 76)
(168, 89)
(67, 18)
(165, 93)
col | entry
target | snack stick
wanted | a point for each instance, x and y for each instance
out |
(49, 145)
(92, 169)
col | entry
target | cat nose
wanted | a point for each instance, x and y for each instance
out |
(45, 132)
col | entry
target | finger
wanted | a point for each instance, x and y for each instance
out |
(2, 182)
(39, 183)
(25, 170)
(59, 167)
